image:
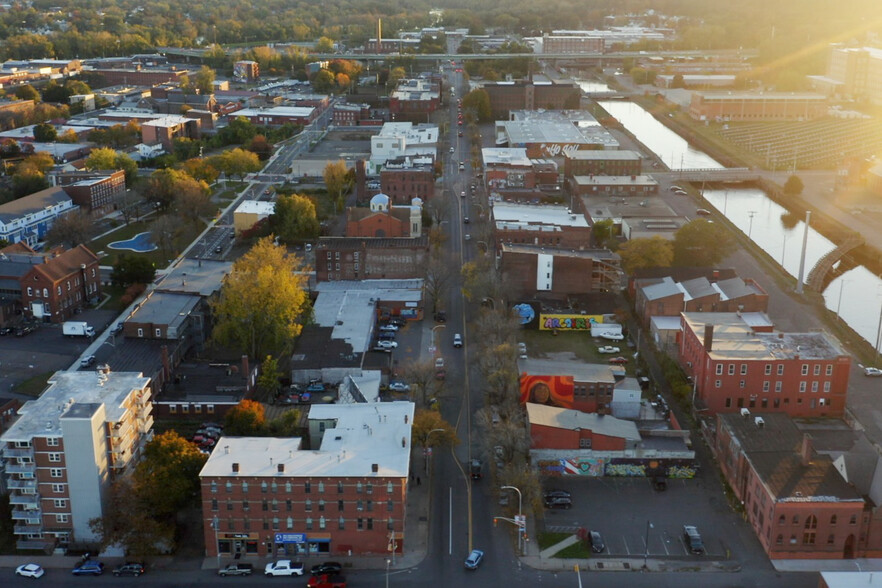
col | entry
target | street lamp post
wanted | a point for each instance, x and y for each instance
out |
(388, 561)
(839, 303)
(751, 214)
(520, 514)
(646, 550)
(429, 449)
(436, 327)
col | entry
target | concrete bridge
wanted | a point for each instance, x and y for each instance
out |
(731, 174)
(818, 274)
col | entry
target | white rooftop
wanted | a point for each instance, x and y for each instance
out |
(537, 214)
(256, 207)
(293, 111)
(363, 435)
(514, 156)
(40, 417)
(169, 120)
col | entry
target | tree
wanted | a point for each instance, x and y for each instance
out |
(27, 182)
(602, 231)
(396, 74)
(286, 424)
(262, 303)
(426, 421)
(236, 162)
(421, 376)
(132, 269)
(324, 45)
(26, 92)
(70, 230)
(479, 102)
(68, 136)
(40, 162)
(678, 81)
(164, 232)
(701, 243)
(175, 188)
(123, 522)
(106, 158)
(337, 181)
(200, 169)
(167, 478)
(793, 186)
(646, 252)
(248, 418)
(440, 271)
(323, 81)
(45, 133)
(268, 380)
(204, 80)
(261, 147)
(294, 219)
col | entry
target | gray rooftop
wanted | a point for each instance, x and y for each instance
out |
(32, 203)
(196, 276)
(165, 308)
(574, 420)
(566, 364)
(41, 417)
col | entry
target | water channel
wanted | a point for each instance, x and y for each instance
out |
(855, 295)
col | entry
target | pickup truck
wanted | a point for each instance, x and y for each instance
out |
(326, 581)
(236, 569)
(283, 567)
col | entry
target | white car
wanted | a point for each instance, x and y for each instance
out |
(387, 345)
(612, 336)
(457, 340)
(608, 349)
(871, 371)
(390, 328)
(399, 387)
(283, 567)
(29, 571)
(453, 149)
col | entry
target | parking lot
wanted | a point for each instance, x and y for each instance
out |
(628, 510)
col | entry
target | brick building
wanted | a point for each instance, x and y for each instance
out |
(67, 445)
(140, 77)
(509, 168)
(402, 179)
(748, 106)
(552, 427)
(557, 272)
(351, 115)
(560, 43)
(637, 186)
(531, 95)
(95, 191)
(277, 116)
(564, 381)
(602, 163)
(797, 503)
(734, 366)
(165, 130)
(383, 220)
(546, 225)
(666, 297)
(415, 100)
(343, 258)
(52, 286)
(342, 490)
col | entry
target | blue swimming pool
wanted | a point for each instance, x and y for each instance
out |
(140, 243)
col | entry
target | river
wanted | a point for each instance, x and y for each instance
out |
(855, 295)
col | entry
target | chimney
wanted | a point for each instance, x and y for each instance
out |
(166, 364)
(745, 413)
(375, 467)
(708, 338)
(235, 468)
(245, 366)
(281, 468)
(759, 422)
(805, 450)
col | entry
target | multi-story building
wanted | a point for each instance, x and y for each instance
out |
(343, 258)
(95, 191)
(750, 106)
(400, 141)
(351, 115)
(340, 491)
(402, 179)
(246, 71)
(637, 186)
(602, 163)
(852, 72)
(140, 77)
(415, 99)
(86, 429)
(540, 92)
(734, 365)
(384, 220)
(165, 130)
(557, 272)
(566, 382)
(561, 43)
(549, 225)
(277, 116)
(29, 218)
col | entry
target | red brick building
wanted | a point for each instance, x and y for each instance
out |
(351, 115)
(557, 272)
(93, 191)
(415, 100)
(527, 95)
(796, 501)
(734, 366)
(140, 77)
(566, 382)
(544, 225)
(602, 163)
(343, 258)
(165, 130)
(560, 428)
(382, 220)
(403, 180)
(57, 284)
(749, 106)
(343, 490)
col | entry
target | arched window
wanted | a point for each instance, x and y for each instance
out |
(811, 522)
(782, 519)
(779, 540)
(832, 519)
(831, 539)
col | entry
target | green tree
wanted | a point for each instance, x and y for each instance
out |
(396, 74)
(26, 92)
(132, 269)
(286, 424)
(294, 219)
(261, 147)
(123, 522)
(200, 169)
(337, 181)
(40, 162)
(701, 243)
(323, 82)
(479, 102)
(45, 133)
(268, 380)
(262, 303)
(678, 81)
(646, 252)
(167, 478)
(237, 132)
(55, 92)
(204, 80)
(324, 45)
(248, 418)
(236, 162)
(27, 182)
(602, 231)
(106, 158)
(793, 186)
(167, 187)
(70, 230)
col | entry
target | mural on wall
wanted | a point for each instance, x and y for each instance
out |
(550, 390)
(613, 467)
(568, 322)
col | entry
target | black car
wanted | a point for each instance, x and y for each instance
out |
(328, 567)
(558, 502)
(555, 493)
(595, 539)
(129, 568)
(6, 331)
(440, 317)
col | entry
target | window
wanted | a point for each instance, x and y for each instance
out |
(731, 369)
(140, 332)
(390, 506)
(274, 487)
(814, 387)
(307, 487)
(718, 383)
(58, 488)
(766, 386)
(777, 386)
(852, 520)
(358, 488)
(390, 524)
(742, 384)
(743, 369)
(214, 504)
(275, 505)
(245, 505)
(288, 487)
(795, 519)
(780, 369)
(779, 540)
(229, 504)
(245, 487)
(339, 506)
(213, 487)
(782, 519)
(321, 487)
(802, 386)
(719, 369)
(289, 505)
(826, 387)
(832, 520)
(52, 441)
(817, 370)
(359, 524)
(229, 487)
(55, 457)
(370, 505)
(811, 522)
(55, 472)
(728, 403)
(831, 539)
(62, 518)
(341, 523)
(275, 523)
(307, 506)
(370, 524)
(322, 522)
(321, 505)
(359, 505)
(804, 369)
(768, 370)
(829, 370)
(339, 487)
(263, 487)
(309, 524)
(289, 523)
(808, 538)
(157, 332)
(389, 488)
(60, 503)
(370, 488)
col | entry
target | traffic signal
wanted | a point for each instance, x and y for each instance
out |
(494, 521)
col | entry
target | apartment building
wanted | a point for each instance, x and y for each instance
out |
(340, 491)
(86, 429)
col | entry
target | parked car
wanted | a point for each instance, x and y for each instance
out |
(399, 387)
(556, 493)
(558, 502)
(88, 568)
(283, 567)
(457, 340)
(675, 188)
(397, 321)
(130, 568)
(386, 345)
(692, 539)
(612, 336)
(329, 567)
(236, 569)
(873, 372)
(87, 361)
(618, 360)
(475, 467)
(6, 331)
(659, 483)
(440, 316)
(703, 212)
(595, 540)
(386, 336)
(608, 349)
(389, 327)
(29, 571)
(117, 328)
(474, 559)
(326, 581)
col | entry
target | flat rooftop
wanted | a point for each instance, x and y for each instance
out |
(362, 436)
(537, 214)
(511, 156)
(165, 308)
(566, 364)
(41, 417)
(291, 111)
(618, 181)
(256, 207)
(196, 276)
(575, 420)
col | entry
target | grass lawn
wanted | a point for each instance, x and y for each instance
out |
(186, 235)
(546, 540)
(578, 550)
(35, 385)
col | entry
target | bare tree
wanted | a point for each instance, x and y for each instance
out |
(439, 276)
(70, 230)
(164, 231)
(128, 203)
(421, 376)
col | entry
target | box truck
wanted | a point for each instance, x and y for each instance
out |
(77, 329)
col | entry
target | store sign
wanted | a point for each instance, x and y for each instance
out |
(290, 537)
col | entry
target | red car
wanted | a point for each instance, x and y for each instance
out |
(619, 360)
(326, 581)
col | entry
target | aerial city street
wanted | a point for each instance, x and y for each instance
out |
(398, 296)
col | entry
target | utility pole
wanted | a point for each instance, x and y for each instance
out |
(801, 275)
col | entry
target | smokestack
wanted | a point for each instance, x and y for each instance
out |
(379, 33)
(245, 366)
(708, 338)
(805, 450)
(166, 364)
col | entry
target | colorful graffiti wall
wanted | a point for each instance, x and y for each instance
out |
(550, 390)
(617, 467)
(568, 322)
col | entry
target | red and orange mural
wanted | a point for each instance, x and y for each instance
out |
(551, 390)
